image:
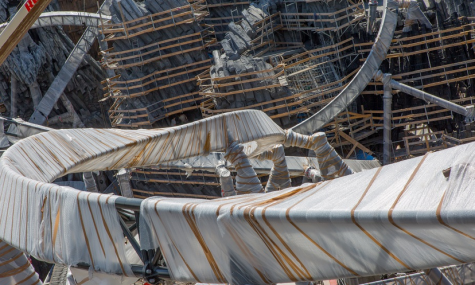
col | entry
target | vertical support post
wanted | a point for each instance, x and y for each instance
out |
(225, 179)
(387, 100)
(373, 6)
(14, 97)
(90, 182)
(123, 178)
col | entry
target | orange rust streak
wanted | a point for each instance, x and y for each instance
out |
(391, 220)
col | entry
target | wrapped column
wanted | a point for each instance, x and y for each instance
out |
(246, 177)
(123, 177)
(226, 180)
(15, 268)
(4, 142)
(330, 163)
(387, 99)
(89, 181)
(373, 6)
(279, 177)
(14, 97)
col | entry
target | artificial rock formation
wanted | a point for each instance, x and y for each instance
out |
(161, 60)
(30, 69)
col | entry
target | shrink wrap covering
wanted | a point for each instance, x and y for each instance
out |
(330, 163)
(226, 180)
(279, 177)
(15, 268)
(414, 214)
(62, 225)
(246, 178)
(295, 164)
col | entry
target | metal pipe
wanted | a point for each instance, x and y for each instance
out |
(160, 272)
(387, 100)
(128, 203)
(436, 276)
(131, 238)
(467, 112)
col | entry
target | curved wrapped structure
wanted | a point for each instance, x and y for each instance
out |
(63, 225)
(411, 215)
(362, 78)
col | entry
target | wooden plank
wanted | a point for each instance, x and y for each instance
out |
(160, 57)
(163, 78)
(420, 36)
(170, 194)
(422, 121)
(112, 54)
(319, 49)
(437, 67)
(248, 80)
(169, 70)
(353, 141)
(319, 56)
(401, 46)
(291, 104)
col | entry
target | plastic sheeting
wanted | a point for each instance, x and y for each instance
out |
(362, 78)
(62, 225)
(246, 178)
(4, 142)
(414, 214)
(279, 177)
(226, 180)
(65, 226)
(295, 164)
(331, 164)
(15, 268)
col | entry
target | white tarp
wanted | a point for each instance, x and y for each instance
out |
(63, 225)
(396, 218)
(295, 164)
(15, 267)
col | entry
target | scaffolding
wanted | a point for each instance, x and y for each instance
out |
(178, 80)
(310, 78)
(222, 12)
(337, 22)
